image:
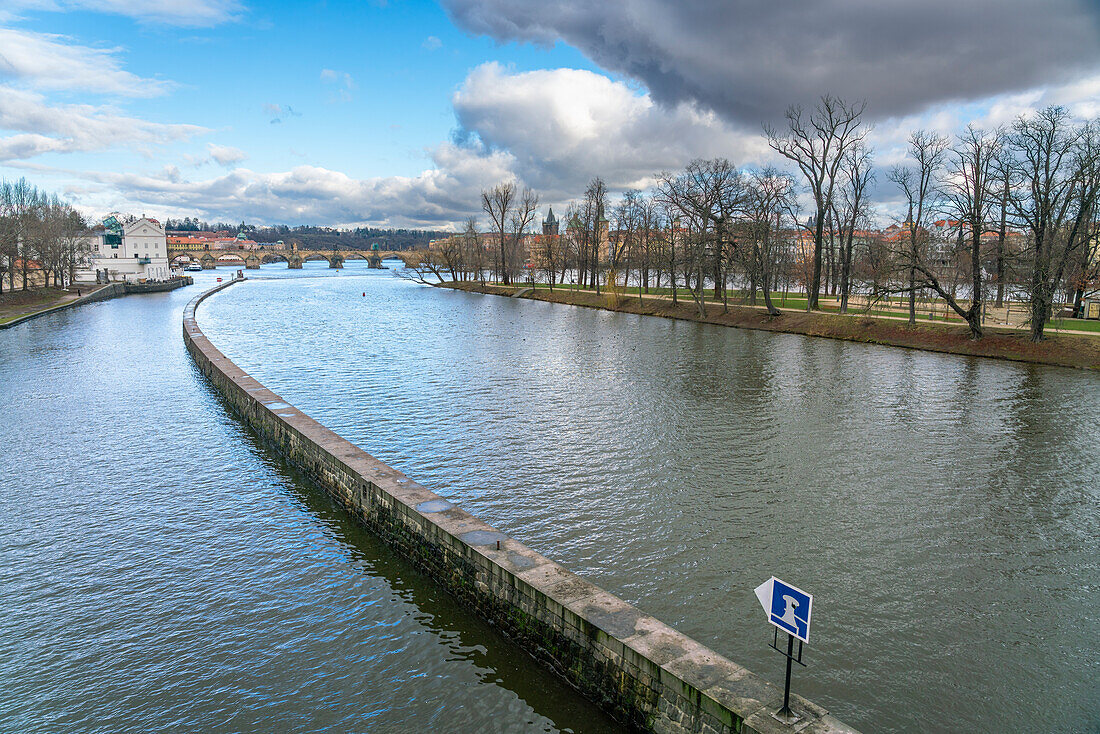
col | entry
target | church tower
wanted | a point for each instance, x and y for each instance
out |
(550, 224)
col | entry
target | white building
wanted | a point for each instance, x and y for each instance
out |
(131, 252)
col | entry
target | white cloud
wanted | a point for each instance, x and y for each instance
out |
(564, 126)
(889, 137)
(44, 128)
(49, 61)
(431, 43)
(550, 129)
(435, 198)
(170, 12)
(225, 155)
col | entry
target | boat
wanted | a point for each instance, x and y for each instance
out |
(192, 267)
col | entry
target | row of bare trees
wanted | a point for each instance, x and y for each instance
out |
(985, 215)
(1041, 176)
(41, 239)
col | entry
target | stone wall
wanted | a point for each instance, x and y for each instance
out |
(644, 673)
(160, 286)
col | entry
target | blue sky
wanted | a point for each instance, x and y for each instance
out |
(393, 67)
(398, 113)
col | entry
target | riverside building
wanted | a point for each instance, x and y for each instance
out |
(131, 252)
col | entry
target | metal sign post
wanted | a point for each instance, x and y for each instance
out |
(785, 713)
(788, 609)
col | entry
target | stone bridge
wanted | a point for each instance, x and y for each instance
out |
(252, 259)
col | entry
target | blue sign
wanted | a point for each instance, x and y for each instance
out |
(788, 607)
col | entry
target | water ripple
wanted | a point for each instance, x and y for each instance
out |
(944, 510)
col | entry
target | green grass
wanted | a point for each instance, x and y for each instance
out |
(1074, 325)
(797, 300)
(793, 300)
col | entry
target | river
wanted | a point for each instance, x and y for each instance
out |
(168, 572)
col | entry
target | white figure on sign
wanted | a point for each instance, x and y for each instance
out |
(788, 614)
(787, 607)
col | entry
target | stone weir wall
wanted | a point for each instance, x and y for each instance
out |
(644, 673)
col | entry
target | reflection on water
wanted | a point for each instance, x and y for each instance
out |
(943, 510)
(159, 571)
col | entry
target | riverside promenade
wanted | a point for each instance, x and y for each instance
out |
(644, 673)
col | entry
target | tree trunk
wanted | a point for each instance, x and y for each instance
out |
(974, 318)
(1001, 248)
(846, 273)
(912, 297)
(815, 279)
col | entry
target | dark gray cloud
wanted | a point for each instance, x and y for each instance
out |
(750, 59)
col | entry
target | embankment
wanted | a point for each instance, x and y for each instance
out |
(112, 290)
(1063, 350)
(643, 672)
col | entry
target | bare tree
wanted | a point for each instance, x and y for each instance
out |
(1059, 170)
(21, 206)
(649, 222)
(450, 253)
(707, 194)
(858, 174)
(969, 191)
(419, 264)
(769, 195)
(593, 223)
(919, 186)
(817, 144)
(1003, 171)
(624, 242)
(497, 203)
(473, 254)
(523, 214)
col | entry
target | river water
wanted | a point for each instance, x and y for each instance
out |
(161, 571)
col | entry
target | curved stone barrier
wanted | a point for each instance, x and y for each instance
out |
(640, 670)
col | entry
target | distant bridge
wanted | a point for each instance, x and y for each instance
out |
(252, 259)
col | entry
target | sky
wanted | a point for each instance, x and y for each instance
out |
(399, 112)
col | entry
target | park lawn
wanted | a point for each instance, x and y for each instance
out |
(14, 304)
(797, 300)
(1074, 325)
(792, 300)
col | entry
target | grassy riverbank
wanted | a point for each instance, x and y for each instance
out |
(1066, 350)
(19, 303)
